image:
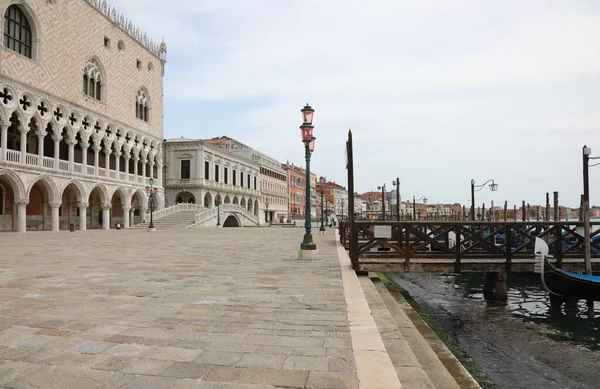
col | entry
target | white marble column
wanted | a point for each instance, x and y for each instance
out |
(84, 150)
(22, 215)
(83, 216)
(106, 217)
(159, 175)
(131, 217)
(71, 143)
(107, 151)
(40, 136)
(143, 211)
(135, 165)
(118, 163)
(56, 140)
(144, 162)
(3, 140)
(96, 159)
(55, 216)
(126, 216)
(24, 130)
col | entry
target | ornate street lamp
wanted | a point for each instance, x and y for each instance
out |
(493, 188)
(152, 192)
(415, 207)
(307, 247)
(218, 202)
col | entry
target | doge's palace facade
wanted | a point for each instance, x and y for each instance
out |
(80, 116)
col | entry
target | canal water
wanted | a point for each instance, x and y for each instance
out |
(526, 344)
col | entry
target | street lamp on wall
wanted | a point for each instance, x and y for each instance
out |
(493, 188)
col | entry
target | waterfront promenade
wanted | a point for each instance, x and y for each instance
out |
(177, 309)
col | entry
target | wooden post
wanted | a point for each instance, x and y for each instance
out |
(515, 212)
(523, 211)
(483, 212)
(528, 212)
(581, 209)
(505, 209)
(351, 219)
(492, 211)
(556, 209)
(537, 215)
(587, 240)
(547, 207)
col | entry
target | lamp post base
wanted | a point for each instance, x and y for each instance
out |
(308, 255)
(151, 229)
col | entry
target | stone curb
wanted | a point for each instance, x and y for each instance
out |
(374, 368)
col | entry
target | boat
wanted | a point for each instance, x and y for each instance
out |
(564, 283)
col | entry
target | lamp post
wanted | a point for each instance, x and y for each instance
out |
(267, 212)
(493, 188)
(382, 188)
(322, 229)
(152, 192)
(308, 249)
(397, 185)
(415, 206)
(218, 202)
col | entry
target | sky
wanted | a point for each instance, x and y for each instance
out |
(436, 92)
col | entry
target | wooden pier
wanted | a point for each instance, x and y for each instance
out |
(423, 246)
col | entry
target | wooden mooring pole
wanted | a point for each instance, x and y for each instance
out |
(523, 211)
(505, 209)
(351, 219)
(547, 219)
(556, 208)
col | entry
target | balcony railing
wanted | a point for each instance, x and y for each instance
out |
(14, 156)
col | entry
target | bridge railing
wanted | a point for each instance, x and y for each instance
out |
(211, 213)
(173, 209)
(419, 241)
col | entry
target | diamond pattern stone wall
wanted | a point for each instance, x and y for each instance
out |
(70, 33)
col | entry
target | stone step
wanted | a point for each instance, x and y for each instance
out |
(441, 366)
(173, 221)
(408, 368)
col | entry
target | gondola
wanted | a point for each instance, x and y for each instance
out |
(564, 283)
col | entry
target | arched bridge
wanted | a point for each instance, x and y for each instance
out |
(231, 215)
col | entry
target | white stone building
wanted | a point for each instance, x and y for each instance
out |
(196, 172)
(273, 179)
(73, 149)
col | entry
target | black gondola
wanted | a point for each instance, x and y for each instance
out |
(568, 284)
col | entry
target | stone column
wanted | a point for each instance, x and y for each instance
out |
(159, 175)
(71, 143)
(135, 165)
(41, 136)
(84, 149)
(83, 216)
(131, 217)
(24, 130)
(107, 152)
(144, 162)
(56, 140)
(143, 211)
(118, 163)
(55, 217)
(3, 140)
(126, 216)
(152, 168)
(106, 217)
(22, 215)
(96, 149)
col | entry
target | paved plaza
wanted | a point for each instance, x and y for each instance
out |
(197, 308)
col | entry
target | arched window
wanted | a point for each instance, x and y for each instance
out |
(141, 105)
(92, 79)
(17, 31)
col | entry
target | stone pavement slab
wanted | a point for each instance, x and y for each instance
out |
(198, 308)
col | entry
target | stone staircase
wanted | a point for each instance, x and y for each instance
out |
(420, 358)
(173, 221)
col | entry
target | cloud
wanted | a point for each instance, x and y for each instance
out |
(437, 92)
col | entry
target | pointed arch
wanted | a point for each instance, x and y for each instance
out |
(122, 193)
(227, 200)
(17, 185)
(142, 104)
(80, 190)
(208, 202)
(103, 193)
(93, 79)
(49, 185)
(255, 207)
(236, 201)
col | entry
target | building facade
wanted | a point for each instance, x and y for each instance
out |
(196, 172)
(297, 192)
(80, 115)
(273, 178)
